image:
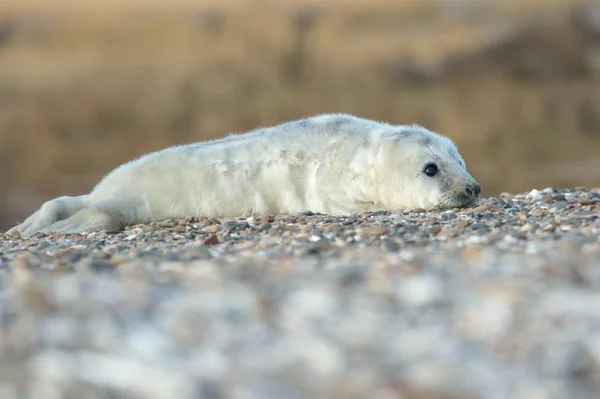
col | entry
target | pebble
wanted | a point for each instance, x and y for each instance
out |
(179, 229)
(462, 223)
(497, 301)
(536, 213)
(481, 208)
(478, 226)
(265, 226)
(373, 231)
(420, 291)
(389, 246)
(549, 228)
(101, 265)
(534, 195)
(212, 240)
(213, 228)
(585, 200)
(267, 219)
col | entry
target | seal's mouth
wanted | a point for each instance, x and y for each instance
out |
(454, 201)
(469, 204)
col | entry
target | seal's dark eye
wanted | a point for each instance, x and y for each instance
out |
(431, 169)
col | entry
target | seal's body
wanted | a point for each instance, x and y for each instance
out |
(333, 163)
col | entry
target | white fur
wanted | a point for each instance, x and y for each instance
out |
(333, 163)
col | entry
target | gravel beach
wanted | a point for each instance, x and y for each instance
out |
(497, 301)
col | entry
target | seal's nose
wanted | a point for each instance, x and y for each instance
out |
(473, 190)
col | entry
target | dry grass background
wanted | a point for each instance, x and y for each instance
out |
(86, 86)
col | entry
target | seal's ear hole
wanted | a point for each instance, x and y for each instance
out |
(430, 169)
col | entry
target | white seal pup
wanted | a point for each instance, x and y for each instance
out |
(333, 163)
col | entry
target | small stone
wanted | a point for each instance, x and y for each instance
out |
(481, 208)
(213, 228)
(534, 195)
(526, 228)
(559, 206)
(448, 232)
(322, 244)
(570, 244)
(267, 219)
(15, 234)
(130, 237)
(244, 245)
(389, 246)
(179, 229)
(349, 221)
(420, 290)
(102, 255)
(212, 240)
(36, 298)
(242, 226)
(462, 223)
(478, 226)
(585, 200)
(166, 224)
(290, 228)
(372, 231)
(584, 214)
(592, 248)
(521, 216)
(549, 228)
(448, 216)
(536, 213)
(101, 265)
(265, 226)
(149, 228)
(63, 252)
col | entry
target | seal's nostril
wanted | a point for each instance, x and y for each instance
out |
(473, 191)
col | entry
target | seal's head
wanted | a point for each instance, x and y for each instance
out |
(424, 170)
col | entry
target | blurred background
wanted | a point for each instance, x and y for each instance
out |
(86, 86)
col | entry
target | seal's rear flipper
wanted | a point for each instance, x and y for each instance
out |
(51, 212)
(109, 214)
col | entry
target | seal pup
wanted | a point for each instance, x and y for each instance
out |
(331, 163)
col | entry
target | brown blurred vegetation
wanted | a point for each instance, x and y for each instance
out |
(86, 86)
